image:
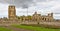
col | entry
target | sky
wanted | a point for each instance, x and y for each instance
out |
(41, 6)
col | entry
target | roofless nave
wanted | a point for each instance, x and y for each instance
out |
(34, 17)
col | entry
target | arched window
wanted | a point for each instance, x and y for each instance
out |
(45, 19)
(42, 18)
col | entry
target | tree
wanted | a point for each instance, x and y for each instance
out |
(5, 18)
(29, 17)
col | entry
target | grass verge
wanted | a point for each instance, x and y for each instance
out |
(35, 28)
(4, 29)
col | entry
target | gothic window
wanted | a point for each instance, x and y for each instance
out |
(45, 19)
(42, 18)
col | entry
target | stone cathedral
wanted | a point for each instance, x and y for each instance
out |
(11, 12)
(34, 17)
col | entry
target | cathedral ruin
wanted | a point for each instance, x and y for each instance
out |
(34, 17)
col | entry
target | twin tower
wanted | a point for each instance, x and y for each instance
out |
(11, 12)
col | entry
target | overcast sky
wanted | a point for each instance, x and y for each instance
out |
(41, 6)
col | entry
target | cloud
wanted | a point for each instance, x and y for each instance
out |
(25, 3)
(19, 3)
(3, 10)
(41, 6)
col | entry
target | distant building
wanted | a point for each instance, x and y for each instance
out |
(39, 17)
(11, 12)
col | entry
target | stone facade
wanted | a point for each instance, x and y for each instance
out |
(11, 12)
(39, 17)
(34, 17)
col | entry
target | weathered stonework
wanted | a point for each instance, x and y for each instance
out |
(11, 12)
(34, 17)
(39, 17)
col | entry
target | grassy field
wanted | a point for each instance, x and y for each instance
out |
(4, 29)
(35, 28)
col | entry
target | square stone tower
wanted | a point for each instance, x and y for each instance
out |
(11, 12)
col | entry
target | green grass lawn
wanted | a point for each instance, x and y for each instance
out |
(4, 29)
(35, 28)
